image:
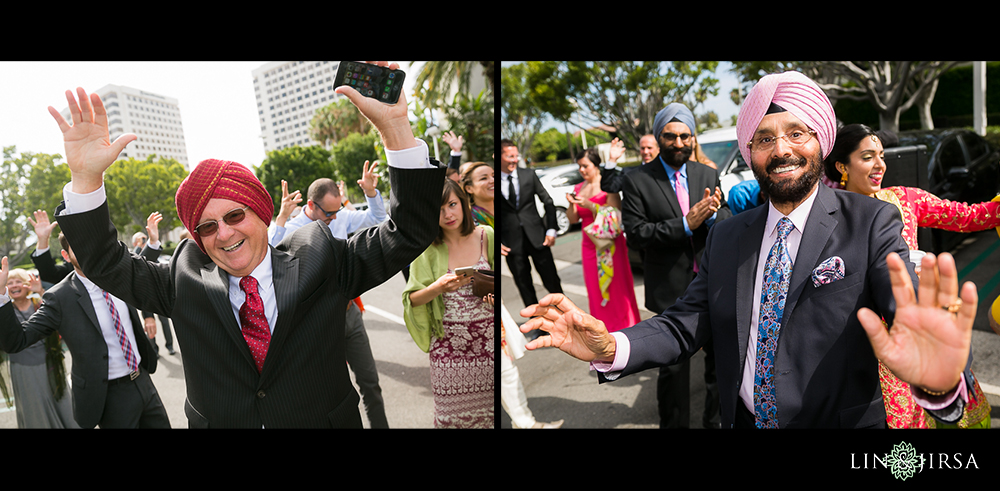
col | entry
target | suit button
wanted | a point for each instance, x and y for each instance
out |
(260, 394)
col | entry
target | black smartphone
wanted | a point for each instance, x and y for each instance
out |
(369, 80)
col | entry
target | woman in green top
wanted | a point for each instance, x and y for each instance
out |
(451, 324)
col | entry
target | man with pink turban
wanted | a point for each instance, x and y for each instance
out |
(261, 328)
(788, 291)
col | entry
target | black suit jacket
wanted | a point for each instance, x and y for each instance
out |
(525, 217)
(304, 381)
(827, 370)
(653, 222)
(67, 308)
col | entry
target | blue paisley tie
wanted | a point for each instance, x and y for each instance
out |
(777, 271)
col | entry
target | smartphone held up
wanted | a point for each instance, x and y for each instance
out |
(379, 83)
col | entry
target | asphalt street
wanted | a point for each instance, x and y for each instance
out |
(560, 387)
(404, 373)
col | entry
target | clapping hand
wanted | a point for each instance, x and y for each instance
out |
(89, 150)
(929, 341)
(704, 208)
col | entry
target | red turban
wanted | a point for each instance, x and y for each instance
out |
(220, 179)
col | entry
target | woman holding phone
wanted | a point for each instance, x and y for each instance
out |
(447, 321)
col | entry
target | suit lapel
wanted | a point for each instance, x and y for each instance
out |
(746, 274)
(819, 228)
(216, 283)
(285, 275)
(83, 298)
(663, 182)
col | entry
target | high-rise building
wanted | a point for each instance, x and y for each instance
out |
(288, 94)
(153, 118)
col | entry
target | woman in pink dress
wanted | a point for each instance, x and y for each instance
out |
(615, 304)
(857, 163)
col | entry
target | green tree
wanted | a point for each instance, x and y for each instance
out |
(349, 158)
(625, 95)
(472, 117)
(14, 226)
(549, 146)
(136, 188)
(300, 166)
(434, 81)
(47, 178)
(336, 120)
(520, 119)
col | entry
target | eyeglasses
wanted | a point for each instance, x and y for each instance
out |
(231, 218)
(670, 137)
(765, 143)
(329, 213)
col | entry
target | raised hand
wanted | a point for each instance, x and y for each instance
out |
(390, 120)
(43, 228)
(455, 142)
(89, 150)
(35, 284)
(152, 226)
(927, 344)
(570, 329)
(616, 151)
(369, 179)
(289, 202)
(4, 271)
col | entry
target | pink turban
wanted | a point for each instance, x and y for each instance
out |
(795, 93)
(220, 179)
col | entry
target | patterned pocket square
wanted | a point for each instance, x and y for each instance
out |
(828, 271)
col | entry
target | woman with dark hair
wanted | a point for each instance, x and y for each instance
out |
(447, 321)
(857, 163)
(606, 269)
(477, 182)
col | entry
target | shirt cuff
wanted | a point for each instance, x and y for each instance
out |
(39, 252)
(687, 230)
(154, 245)
(613, 370)
(79, 203)
(933, 403)
(610, 165)
(551, 232)
(417, 157)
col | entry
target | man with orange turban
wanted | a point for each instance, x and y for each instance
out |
(261, 328)
(791, 293)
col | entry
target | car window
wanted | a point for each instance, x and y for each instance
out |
(949, 155)
(569, 178)
(719, 151)
(976, 146)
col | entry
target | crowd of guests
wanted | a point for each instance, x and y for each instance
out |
(318, 272)
(668, 205)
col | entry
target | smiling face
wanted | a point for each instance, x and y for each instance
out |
(239, 248)
(787, 172)
(866, 167)
(17, 288)
(508, 159)
(480, 184)
(675, 151)
(648, 149)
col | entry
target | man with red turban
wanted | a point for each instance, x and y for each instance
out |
(261, 328)
(788, 293)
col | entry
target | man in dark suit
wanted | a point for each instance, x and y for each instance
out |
(671, 235)
(261, 328)
(522, 232)
(112, 358)
(811, 268)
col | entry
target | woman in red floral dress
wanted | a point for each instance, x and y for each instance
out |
(857, 163)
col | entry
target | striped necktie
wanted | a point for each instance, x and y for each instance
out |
(130, 356)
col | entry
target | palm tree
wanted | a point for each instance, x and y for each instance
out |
(434, 81)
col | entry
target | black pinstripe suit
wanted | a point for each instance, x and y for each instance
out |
(304, 381)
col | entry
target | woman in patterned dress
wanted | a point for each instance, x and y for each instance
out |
(857, 163)
(448, 322)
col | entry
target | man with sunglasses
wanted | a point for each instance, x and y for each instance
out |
(261, 328)
(667, 211)
(324, 194)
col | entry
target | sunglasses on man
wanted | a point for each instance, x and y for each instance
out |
(231, 218)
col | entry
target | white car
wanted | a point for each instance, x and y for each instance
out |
(558, 181)
(720, 146)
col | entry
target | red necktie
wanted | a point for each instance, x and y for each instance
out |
(130, 359)
(253, 323)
